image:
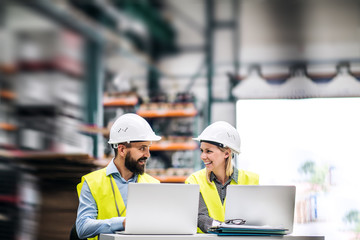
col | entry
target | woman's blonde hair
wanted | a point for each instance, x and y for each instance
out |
(228, 164)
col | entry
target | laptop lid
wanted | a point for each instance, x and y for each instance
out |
(166, 208)
(261, 205)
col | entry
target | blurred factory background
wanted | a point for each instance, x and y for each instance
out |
(285, 72)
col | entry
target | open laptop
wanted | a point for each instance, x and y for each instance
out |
(262, 205)
(166, 208)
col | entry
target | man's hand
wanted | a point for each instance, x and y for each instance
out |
(124, 222)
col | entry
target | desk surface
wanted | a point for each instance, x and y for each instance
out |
(204, 237)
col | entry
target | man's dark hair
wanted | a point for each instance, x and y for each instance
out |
(127, 145)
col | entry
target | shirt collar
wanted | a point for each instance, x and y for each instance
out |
(112, 169)
(234, 176)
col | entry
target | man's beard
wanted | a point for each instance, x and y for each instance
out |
(133, 165)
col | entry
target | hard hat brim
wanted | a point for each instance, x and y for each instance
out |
(211, 140)
(154, 138)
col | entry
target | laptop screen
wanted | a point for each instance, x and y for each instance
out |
(166, 208)
(261, 205)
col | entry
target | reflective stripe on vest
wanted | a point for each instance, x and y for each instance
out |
(210, 194)
(100, 187)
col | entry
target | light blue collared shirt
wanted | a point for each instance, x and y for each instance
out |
(87, 225)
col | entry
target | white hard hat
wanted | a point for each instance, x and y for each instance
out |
(222, 134)
(131, 127)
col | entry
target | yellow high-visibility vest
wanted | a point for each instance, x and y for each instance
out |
(210, 194)
(100, 187)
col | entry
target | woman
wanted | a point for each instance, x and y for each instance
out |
(219, 142)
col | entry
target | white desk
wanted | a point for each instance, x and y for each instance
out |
(204, 237)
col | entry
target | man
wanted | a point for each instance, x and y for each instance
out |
(103, 193)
